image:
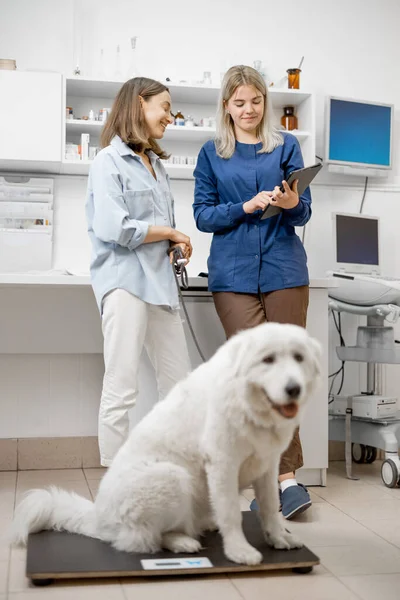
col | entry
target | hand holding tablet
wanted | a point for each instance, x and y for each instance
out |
(304, 177)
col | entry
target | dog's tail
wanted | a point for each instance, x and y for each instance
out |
(52, 508)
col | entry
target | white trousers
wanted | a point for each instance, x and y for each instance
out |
(128, 325)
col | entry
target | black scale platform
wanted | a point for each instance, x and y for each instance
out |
(59, 555)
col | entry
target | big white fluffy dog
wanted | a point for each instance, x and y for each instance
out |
(181, 470)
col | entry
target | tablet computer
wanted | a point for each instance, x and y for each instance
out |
(304, 177)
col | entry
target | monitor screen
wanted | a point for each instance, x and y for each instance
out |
(357, 240)
(359, 133)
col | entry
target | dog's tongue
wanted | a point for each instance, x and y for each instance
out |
(289, 410)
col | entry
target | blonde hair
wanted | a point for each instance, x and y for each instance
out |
(225, 138)
(127, 119)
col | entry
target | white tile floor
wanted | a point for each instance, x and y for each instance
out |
(353, 526)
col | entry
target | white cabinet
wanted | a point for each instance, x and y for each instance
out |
(30, 120)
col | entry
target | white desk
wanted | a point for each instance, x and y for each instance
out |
(57, 314)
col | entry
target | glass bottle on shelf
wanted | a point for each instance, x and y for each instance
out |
(118, 72)
(133, 67)
(293, 78)
(207, 78)
(289, 119)
(257, 64)
(179, 118)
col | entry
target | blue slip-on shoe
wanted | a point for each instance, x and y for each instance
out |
(254, 505)
(294, 500)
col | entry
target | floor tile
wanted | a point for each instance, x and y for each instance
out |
(372, 587)
(244, 503)
(3, 576)
(7, 480)
(18, 553)
(56, 476)
(367, 511)
(7, 501)
(4, 545)
(187, 588)
(388, 529)
(393, 493)
(17, 579)
(325, 525)
(341, 489)
(88, 590)
(375, 557)
(94, 474)
(291, 587)
(93, 485)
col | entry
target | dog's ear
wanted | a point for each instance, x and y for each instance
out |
(316, 354)
(239, 346)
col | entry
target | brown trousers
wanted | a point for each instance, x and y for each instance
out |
(242, 311)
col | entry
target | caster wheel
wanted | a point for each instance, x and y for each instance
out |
(302, 570)
(372, 453)
(42, 582)
(389, 473)
(358, 453)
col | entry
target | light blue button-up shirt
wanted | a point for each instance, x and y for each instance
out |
(123, 200)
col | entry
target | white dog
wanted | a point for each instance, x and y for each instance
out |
(182, 468)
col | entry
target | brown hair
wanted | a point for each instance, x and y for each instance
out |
(126, 118)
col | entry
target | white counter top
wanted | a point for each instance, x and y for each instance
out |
(55, 279)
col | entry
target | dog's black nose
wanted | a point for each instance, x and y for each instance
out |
(293, 390)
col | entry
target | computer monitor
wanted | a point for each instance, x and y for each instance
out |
(356, 243)
(359, 137)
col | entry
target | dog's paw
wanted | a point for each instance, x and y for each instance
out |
(283, 540)
(190, 545)
(243, 554)
(179, 542)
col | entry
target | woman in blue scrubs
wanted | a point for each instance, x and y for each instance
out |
(257, 269)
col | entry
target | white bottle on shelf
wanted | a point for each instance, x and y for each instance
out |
(85, 138)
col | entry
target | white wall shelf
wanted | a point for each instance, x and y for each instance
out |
(179, 171)
(285, 97)
(82, 167)
(202, 134)
(180, 92)
(92, 88)
(84, 126)
(173, 132)
(189, 134)
(84, 94)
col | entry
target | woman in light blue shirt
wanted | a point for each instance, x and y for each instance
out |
(131, 225)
